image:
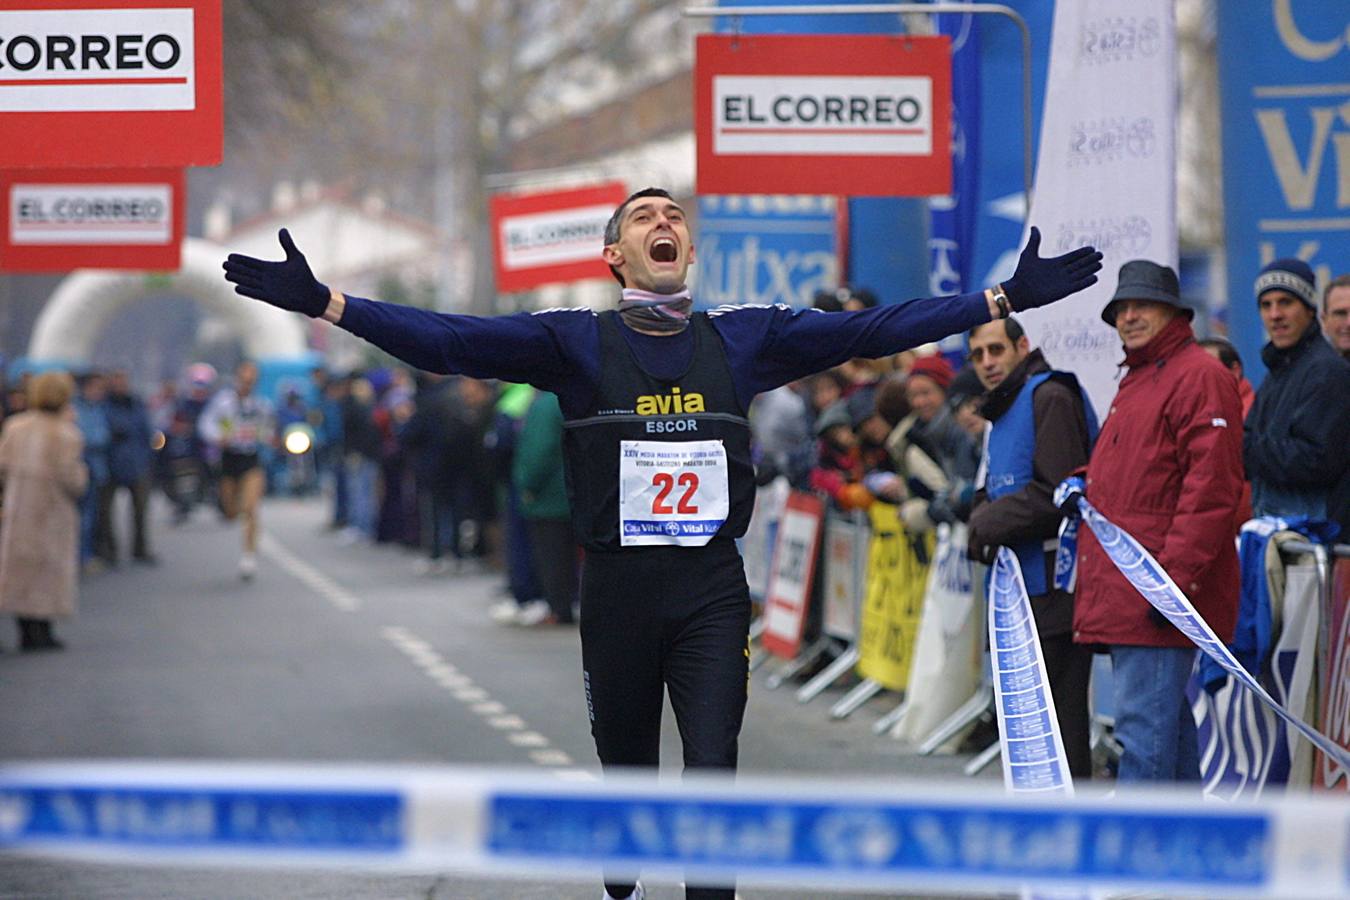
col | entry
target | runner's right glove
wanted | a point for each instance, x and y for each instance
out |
(1041, 280)
(288, 284)
(1067, 495)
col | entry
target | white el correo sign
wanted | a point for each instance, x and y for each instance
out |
(812, 115)
(97, 60)
(75, 214)
(554, 237)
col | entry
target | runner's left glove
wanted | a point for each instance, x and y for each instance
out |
(1040, 280)
(288, 284)
(1067, 495)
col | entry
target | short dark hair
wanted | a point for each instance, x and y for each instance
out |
(1011, 327)
(612, 226)
(1338, 281)
(1227, 353)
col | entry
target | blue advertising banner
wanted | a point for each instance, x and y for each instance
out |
(765, 249)
(952, 218)
(998, 156)
(1284, 83)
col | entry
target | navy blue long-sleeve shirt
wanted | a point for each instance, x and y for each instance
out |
(558, 350)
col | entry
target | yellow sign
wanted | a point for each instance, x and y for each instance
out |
(897, 573)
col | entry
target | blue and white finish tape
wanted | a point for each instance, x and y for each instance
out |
(833, 834)
(1157, 587)
(1033, 748)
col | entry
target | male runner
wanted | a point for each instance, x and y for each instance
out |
(656, 448)
(239, 423)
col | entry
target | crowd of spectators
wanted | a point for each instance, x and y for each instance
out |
(1187, 453)
(465, 474)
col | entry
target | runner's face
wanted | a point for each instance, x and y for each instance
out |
(245, 377)
(654, 250)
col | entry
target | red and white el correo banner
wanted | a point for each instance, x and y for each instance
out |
(856, 115)
(552, 237)
(87, 83)
(62, 219)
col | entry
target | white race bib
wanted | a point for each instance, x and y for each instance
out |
(672, 492)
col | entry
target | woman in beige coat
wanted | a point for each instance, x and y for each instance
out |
(43, 478)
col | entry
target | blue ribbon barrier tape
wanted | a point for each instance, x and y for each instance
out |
(790, 832)
(1152, 581)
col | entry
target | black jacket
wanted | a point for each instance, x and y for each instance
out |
(1296, 440)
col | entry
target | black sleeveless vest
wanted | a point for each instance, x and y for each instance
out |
(631, 404)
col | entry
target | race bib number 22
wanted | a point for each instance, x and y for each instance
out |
(671, 492)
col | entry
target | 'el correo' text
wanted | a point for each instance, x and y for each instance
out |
(786, 109)
(89, 52)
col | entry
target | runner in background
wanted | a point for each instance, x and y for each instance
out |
(240, 424)
(656, 448)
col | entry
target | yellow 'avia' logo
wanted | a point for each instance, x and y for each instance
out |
(666, 404)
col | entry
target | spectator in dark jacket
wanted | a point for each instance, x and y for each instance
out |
(361, 451)
(1042, 430)
(1296, 438)
(129, 461)
(1167, 468)
(91, 415)
(425, 436)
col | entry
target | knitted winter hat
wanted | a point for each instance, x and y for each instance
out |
(936, 368)
(1292, 275)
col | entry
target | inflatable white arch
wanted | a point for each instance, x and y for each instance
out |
(85, 300)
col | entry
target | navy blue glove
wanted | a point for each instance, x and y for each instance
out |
(288, 284)
(1041, 280)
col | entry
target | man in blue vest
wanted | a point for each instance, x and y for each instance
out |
(1043, 428)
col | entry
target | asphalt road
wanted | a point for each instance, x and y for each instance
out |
(343, 654)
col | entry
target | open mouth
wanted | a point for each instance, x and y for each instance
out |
(663, 250)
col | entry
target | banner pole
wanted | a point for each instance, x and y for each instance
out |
(829, 9)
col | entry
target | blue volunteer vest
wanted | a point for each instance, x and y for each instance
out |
(1012, 451)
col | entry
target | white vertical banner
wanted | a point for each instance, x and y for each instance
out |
(1105, 173)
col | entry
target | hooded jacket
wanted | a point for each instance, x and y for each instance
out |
(1167, 468)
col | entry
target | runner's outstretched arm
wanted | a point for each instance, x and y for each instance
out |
(539, 349)
(786, 344)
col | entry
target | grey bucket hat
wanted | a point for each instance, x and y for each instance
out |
(1141, 279)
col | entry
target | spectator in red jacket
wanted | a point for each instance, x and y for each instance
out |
(1167, 468)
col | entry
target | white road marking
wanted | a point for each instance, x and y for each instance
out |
(424, 656)
(576, 775)
(324, 586)
(550, 758)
